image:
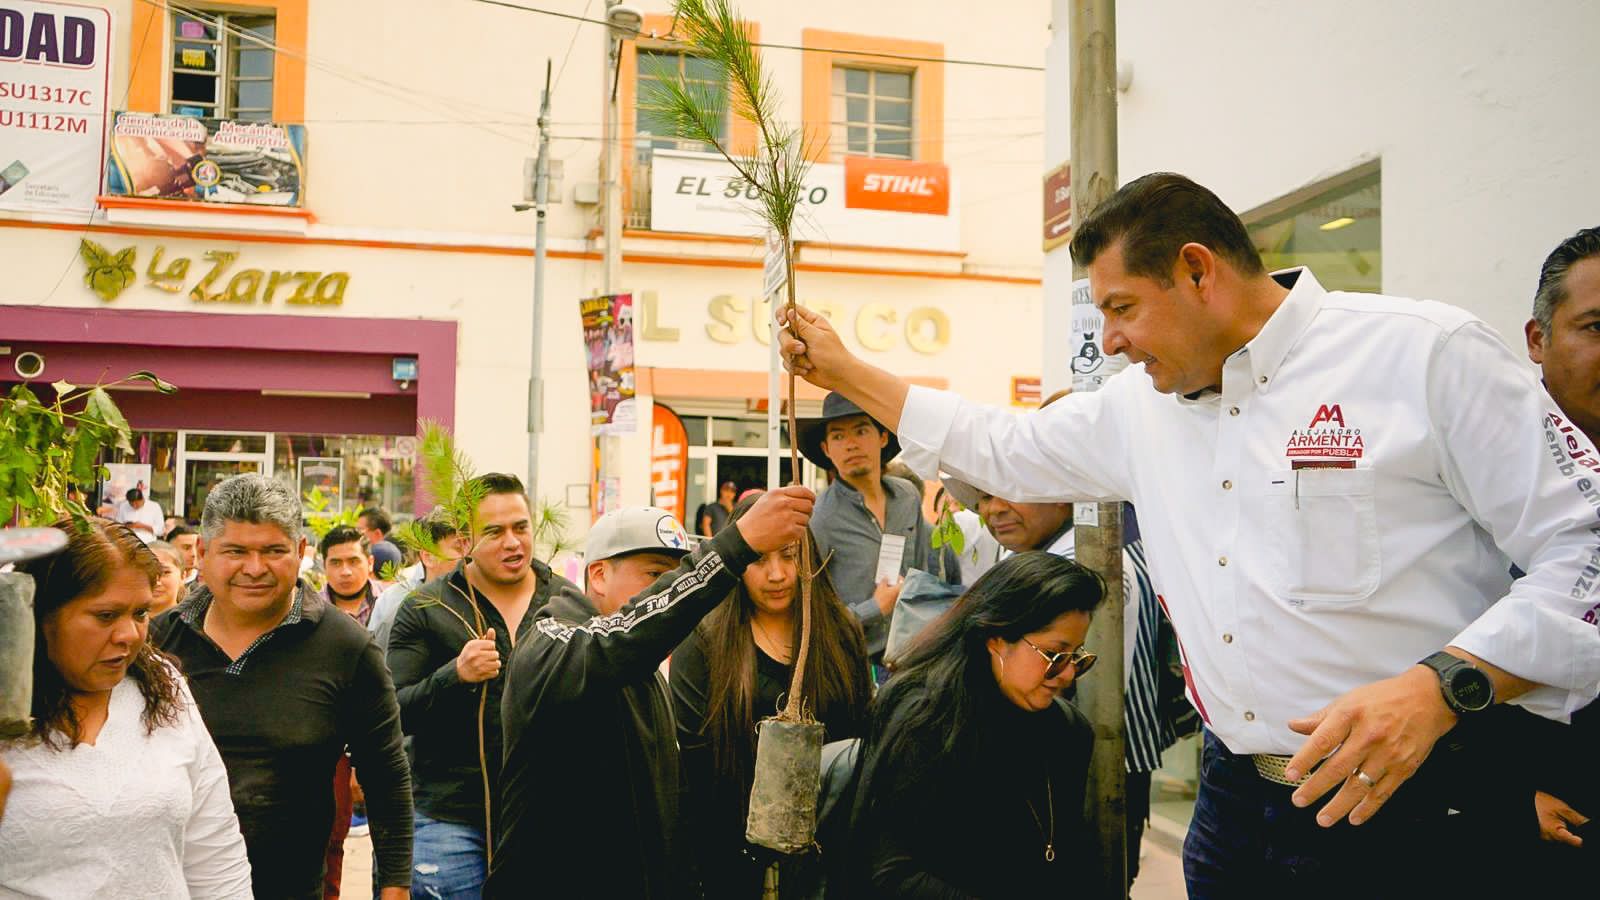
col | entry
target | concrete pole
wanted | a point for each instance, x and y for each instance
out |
(541, 206)
(611, 163)
(1099, 545)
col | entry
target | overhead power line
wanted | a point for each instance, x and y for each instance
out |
(983, 64)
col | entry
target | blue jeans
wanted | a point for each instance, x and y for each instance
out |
(448, 860)
(1247, 839)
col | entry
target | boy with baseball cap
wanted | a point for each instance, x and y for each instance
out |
(591, 753)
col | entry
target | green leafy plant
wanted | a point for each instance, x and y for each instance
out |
(946, 533)
(48, 451)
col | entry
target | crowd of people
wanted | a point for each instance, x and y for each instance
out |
(1351, 604)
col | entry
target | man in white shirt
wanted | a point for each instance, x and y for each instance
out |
(1346, 480)
(142, 515)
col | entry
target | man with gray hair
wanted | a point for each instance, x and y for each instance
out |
(285, 683)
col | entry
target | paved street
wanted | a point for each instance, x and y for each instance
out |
(1160, 876)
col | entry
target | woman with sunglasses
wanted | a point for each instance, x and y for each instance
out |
(973, 770)
(117, 790)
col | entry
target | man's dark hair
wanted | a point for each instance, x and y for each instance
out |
(178, 531)
(375, 517)
(1552, 291)
(342, 534)
(502, 483)
(1154, 217)
(133, 494)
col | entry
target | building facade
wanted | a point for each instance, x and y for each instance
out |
(329, 283)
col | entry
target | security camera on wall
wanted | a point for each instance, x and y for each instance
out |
(29, 365)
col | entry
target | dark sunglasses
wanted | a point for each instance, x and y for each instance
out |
(1081, 659)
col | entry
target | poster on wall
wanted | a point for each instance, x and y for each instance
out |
(55, 73)
(206, 160)
(123, 477)
(323, 475)
(669, 463)
(608, 348)
(1090, 366)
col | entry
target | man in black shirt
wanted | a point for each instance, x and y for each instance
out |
(285, 682)
(445, 652)
(713, 517)
(591, 762)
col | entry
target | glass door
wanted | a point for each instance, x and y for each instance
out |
(201, 475)
(205, 458)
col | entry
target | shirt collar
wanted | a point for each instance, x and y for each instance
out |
(1286, 324)
(193, 608)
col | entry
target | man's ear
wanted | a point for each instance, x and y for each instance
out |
(883, 438)
(1196, 267)
(1536, 341)
(595, 576)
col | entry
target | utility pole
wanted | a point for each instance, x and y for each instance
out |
(541, 206)
(1093, 39)
(611, 165)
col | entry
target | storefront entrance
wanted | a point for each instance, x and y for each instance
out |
(206, 458)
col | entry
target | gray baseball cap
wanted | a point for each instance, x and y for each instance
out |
(964, 494)
(637, 529)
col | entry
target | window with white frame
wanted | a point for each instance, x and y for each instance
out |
(652, 126)
(222, 65)
(872, 113)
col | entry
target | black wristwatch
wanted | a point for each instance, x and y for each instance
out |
(1465, 687)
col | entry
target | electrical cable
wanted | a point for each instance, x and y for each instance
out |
(876, 55)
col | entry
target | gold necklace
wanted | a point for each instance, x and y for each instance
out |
(786, 648)
(1050, 837)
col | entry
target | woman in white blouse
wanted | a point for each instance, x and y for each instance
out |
(118, 791)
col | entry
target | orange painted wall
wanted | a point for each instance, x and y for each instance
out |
(149, 42)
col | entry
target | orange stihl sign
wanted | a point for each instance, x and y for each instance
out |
(896, 185)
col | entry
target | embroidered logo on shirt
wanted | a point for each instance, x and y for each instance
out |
(1327, 437)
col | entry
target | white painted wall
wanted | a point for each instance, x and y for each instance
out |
(1480, 111)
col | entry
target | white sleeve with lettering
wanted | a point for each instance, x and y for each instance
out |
(1534, 482)
(1072, 450)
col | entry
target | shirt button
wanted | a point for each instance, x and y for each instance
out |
(1227, 485)
(1262, 379)
(1227, 638)
(1222, 560)
(1249, 716)
(1233, 411)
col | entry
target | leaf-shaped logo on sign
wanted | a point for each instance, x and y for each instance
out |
(105, 273)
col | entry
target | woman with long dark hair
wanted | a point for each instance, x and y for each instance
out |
(118, 790)
(973, 770)
(733, 671)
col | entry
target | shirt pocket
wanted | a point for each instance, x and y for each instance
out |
(1321, 535)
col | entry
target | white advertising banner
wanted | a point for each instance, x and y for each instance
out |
(1090, 366)
(54, 77)
(701, 193)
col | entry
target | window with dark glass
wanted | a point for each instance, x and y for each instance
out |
(652, 126)
(222, 65)
(1333, 227)
(872, 113)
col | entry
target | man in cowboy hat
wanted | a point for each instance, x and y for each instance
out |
(865, 515)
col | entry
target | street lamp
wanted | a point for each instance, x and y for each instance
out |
(624, 19)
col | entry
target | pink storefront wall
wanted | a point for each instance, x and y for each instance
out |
(222, 363)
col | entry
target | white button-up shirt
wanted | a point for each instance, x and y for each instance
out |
(1350, 502)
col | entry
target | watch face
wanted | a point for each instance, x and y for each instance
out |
(1472, 689)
